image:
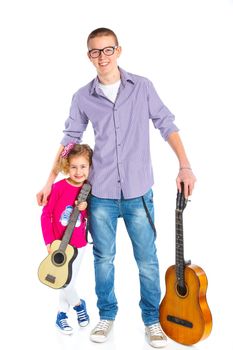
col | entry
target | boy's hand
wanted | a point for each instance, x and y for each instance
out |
(188, 178)
(42, 196)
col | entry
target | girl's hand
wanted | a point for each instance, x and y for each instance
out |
(81, 206)
(48, 246)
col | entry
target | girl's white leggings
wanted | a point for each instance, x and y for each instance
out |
(68, 296)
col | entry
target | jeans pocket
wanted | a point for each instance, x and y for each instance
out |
(148, 196)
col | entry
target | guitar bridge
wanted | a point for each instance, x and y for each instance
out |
(50, 278)
(180, 321)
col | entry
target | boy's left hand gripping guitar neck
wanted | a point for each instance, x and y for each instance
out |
(56, 269)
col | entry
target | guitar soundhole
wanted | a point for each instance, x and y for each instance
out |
(58, 258)
(181, 290)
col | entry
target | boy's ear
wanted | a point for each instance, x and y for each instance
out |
(119, 50)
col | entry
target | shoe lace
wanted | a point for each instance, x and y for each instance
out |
(64, 323)
(102, 325)
(155, 329)
(82, 315)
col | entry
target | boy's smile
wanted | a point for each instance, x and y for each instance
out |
(105, 64)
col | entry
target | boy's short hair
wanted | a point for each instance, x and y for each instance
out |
(102, 32)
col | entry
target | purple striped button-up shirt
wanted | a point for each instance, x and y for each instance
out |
(121, 159)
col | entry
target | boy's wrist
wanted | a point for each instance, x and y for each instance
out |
(185, 167)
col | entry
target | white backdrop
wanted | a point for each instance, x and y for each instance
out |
(185, 48)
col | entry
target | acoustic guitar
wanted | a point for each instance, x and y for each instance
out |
(184, 313)
(56, 269)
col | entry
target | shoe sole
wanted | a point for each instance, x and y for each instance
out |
(65, 332)
(160, 343)
(98, 339)
(84, 324)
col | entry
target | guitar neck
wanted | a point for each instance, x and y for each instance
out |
(180, 263)
(82, 197)
(69, 230)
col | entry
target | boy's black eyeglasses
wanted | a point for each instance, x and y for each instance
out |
(108, 51)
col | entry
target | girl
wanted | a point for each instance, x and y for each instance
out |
(75, 161)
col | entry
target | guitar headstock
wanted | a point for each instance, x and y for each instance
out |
(181, 201)
(83, 194)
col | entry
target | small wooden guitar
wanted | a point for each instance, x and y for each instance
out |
(56, 269)
(184, 313)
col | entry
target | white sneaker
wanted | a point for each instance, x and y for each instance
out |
(155, 336)
(101, 332)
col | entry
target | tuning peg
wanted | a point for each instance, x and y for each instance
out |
(187, 262)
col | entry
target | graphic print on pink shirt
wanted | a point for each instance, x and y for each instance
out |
(65, 216)
(56, 213)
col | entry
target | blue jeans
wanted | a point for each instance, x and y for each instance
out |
(103, 215)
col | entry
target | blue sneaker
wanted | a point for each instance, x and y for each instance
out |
(62, 324)
(83, 318)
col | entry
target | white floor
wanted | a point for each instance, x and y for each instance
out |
(184, 48)
(30, 310)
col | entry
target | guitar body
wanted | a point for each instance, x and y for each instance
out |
(56, 269)
(186, 318)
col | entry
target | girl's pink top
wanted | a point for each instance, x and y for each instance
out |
(56, 213)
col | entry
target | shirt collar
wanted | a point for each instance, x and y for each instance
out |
(125, 77)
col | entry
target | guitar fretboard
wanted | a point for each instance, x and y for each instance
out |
(73, 217)
(180, 264)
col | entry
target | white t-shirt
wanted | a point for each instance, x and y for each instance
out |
(110, 90)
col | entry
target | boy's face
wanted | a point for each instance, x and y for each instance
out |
(104, 64)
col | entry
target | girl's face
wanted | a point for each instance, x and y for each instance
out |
(78, 169)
